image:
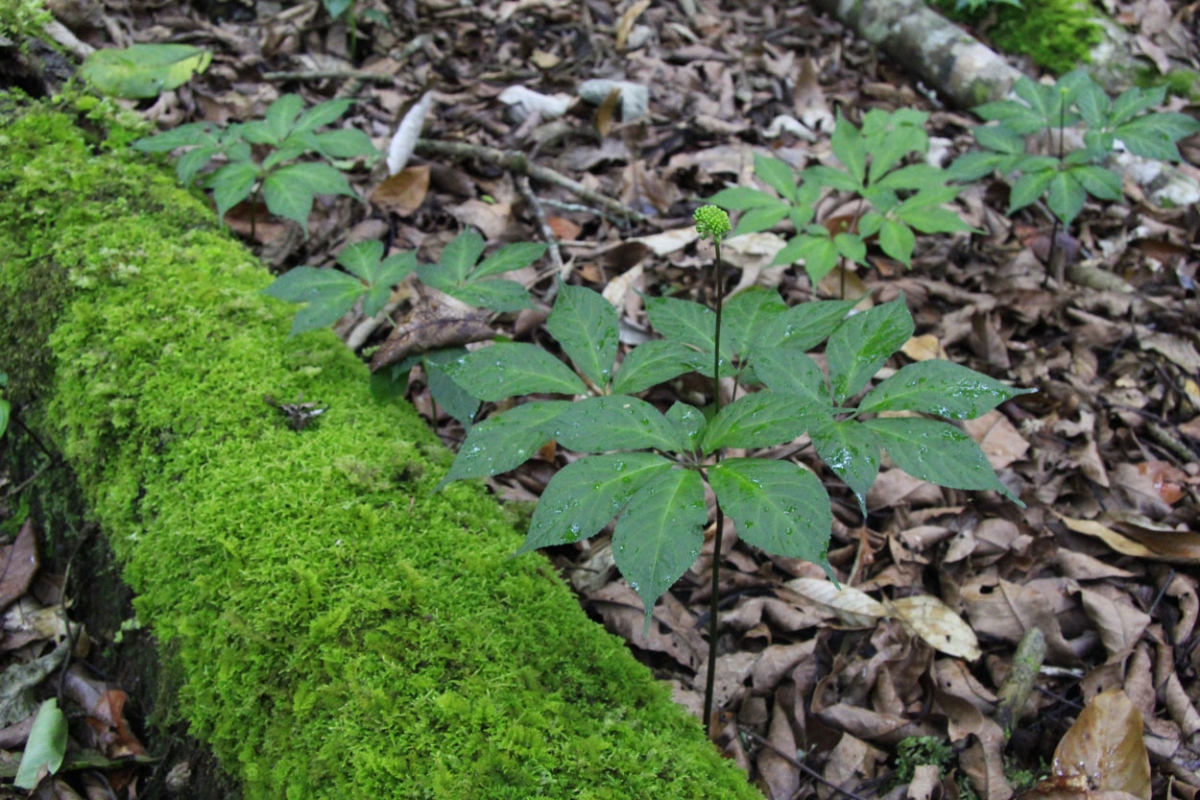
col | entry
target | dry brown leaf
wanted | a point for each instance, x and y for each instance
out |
(782, 778)
(563, 228)
(937, 625)
(1000, 441)
(851, 763)
(924, 348)
(1120, 624)
(851, 606)
(431, 325)
(1140, 540)
(403, 193)
(668, 242)
(605, 113)
(1102, 752)
(926, 781)
(21, 562)
(808, 101)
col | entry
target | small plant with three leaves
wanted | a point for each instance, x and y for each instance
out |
(894, 198)
(279, 178)
(1067, 175)
(328, 294)
(648, 468)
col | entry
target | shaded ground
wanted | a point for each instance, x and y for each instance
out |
(1102, 559)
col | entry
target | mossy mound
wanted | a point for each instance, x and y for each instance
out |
(342, 631)
(1057, 34)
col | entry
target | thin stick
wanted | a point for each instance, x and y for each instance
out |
(807, 770)
(714, 600)
(516, 161)
(539, 214)
(331, 74)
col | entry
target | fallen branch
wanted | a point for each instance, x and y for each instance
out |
(517, 162)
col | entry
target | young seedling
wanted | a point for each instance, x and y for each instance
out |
(286, 184)
(328, 294)
(648, 468)
(1067, 176)
(893, 199)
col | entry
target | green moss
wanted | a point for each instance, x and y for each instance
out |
(21, 19)
(1057, 34)
(340, 630)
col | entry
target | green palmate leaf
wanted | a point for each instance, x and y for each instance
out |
(937, 452)
(585, 324)
(742, 198)
(321, 115)
(786, 371)
(1029, 187)
(346, 143)
(1001, 138)
(1099, 182)
(1066, 196)
(446, 393)
(362, 259)
(832, 178)
(282, 114)
(5, 413)
(690, 323)
(259, 132)
(777, 506)
(819, 253)
(777, 174)
(850, 149)
(761, 219)
(931, 220)
(615, 422)
(897, 240)
(804, 326)
(975, 165)
(939, 387)
(193, 133)
(335, 8)
(747, 314)
(1134, 101)
(689, 422)
(851, 246)
(505, 441)
(512, 256)
(660, 534)
(287, 152)
(45, 747)
(143, 70)
(508, 369)
(191, 162)
(654, 362)
(587, 494)
(852, 452)
(232, 184)
(1093, 105)
(289, 190)
(860, 345)
(761, 420)
(328, 293)
(496, 295)
(460, 255)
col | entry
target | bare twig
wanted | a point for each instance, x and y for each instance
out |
(331, 74)
(517, 162)
(539, 213)
(807, 770)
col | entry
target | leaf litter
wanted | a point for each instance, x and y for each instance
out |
(661, 106)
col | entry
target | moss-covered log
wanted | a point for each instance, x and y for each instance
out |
(342, 631)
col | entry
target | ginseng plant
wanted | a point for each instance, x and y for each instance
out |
(649, 468)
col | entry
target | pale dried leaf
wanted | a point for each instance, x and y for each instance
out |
(851, 606)
(937, 625)
(523, 103)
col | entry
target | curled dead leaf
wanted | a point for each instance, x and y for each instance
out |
(432, 325)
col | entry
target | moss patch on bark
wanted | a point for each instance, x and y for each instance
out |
(342, 631)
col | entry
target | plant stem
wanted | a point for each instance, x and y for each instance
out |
(1059, 269)
(714, 600)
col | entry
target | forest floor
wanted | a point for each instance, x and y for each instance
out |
(814, 693)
